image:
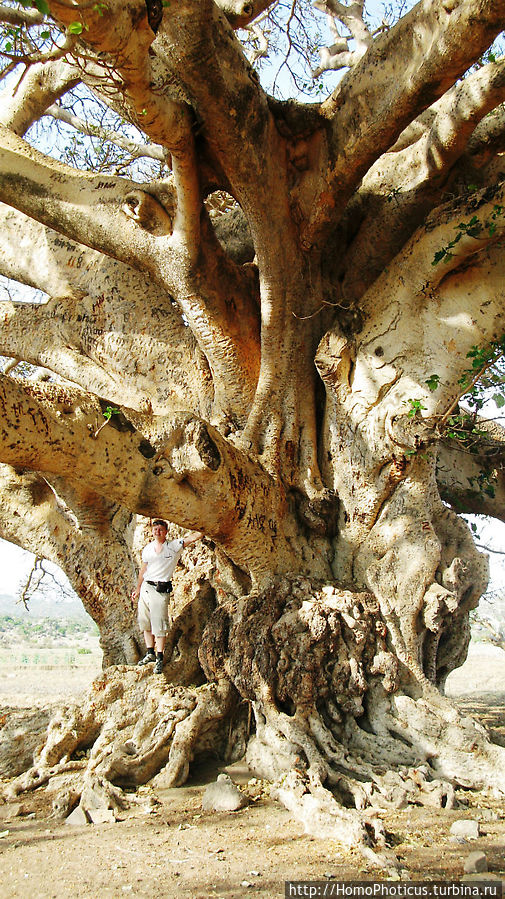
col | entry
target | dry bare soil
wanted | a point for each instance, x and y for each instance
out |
(167, 846)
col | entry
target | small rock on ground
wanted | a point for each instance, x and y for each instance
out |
(77, 818)
(475, 863)
(101, 815)
(467, 829)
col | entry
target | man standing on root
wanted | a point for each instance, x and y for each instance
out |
(154, 586)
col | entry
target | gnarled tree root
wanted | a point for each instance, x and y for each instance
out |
(341, 727)
(132, 725)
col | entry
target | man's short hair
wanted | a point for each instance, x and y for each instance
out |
(160, 522)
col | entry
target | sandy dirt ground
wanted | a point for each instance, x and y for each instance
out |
(167, 846)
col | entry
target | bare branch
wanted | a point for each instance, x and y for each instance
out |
(20, 17)
(490, 549)
(34, 57)
(42, 85)
(136, 150)
(32, 582)
(338, 55)
(389, 103)
(188, 477)
(260, 39)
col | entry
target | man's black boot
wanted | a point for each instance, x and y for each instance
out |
(148, 659)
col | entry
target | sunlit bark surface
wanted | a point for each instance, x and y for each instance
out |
(276, 331)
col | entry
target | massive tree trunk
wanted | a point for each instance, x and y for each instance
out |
(279, 376)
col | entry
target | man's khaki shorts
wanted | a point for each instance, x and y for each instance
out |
(153, 611)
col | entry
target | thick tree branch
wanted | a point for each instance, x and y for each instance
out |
(84, 207)
(65, 337)
(241, 12)
(87, 543)
(456, 239)
(440, 40)
(383, 407)
(456, 115)
(42, 85)
(472, 478)
(440, 148)
(227, 332)
(58, 265)
(465, 104)
(447, 239)
(12, 16)
(167, 121)
(133, 226)
(233, 108)
(127, 45)
(83, 332)
(414, 325)
(191, 476)
(338, 55)
(226, 96)
(488, 139)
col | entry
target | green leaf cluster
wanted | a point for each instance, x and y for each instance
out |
(109, 411)
(433, 382)
(483, 375)
(11, 35)
(461, 426)
(42, 6)
(473, 228)
(416, 406)
(484, 360)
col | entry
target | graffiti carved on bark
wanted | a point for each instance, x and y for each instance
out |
(283, 319)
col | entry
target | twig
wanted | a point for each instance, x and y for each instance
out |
(462, 393)
(498, 552)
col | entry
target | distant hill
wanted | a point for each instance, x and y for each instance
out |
(68, 609)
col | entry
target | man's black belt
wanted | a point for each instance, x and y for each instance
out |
(161, 586)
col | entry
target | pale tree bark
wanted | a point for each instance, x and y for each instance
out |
(88, 539)
(82, 332)
(339, 55)
(470, 472)
(441, 148)
(283, 375)
(374, 381)
(42, 85)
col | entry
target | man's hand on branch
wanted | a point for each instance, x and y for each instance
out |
(192, 537)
